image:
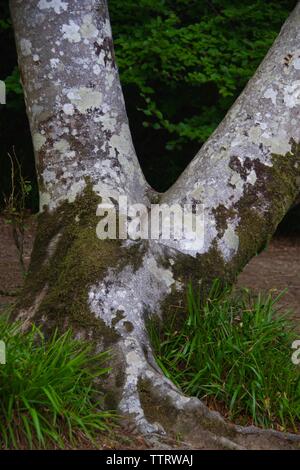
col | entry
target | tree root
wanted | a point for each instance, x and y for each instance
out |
(158, 409)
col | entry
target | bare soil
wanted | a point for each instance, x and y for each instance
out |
(11, 277)
(274, 270)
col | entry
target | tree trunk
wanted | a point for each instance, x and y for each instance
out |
(246, 177)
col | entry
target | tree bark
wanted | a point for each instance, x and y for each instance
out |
(246, 177)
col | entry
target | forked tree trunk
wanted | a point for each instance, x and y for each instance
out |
(246, 177)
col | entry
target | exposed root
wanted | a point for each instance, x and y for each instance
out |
(156, 406)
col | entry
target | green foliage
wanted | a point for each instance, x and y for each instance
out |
(13, 83)
(5, 24)
(14, 90)
(189, 60)
(234, 352)
(47, 391)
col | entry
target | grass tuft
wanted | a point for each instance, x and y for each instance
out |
(234, 352)
(47, 392)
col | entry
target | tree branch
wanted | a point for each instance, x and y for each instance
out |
(74, 100)
(247, 174)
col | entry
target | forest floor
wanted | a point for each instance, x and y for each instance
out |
(275, 269)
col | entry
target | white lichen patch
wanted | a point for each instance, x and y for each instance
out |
(96, 69)
(38, 141)
(255, 134)
(161, 274)
(278, 143)
(105, 190)
(296, 63)
(57, 5)
(84, 98)
(109, 78)
(62, 146)
(25, 46)
(48, 176)
(292, 94)
(252, 177)
(271, 94)
(75, 189)
(45, 199)
(136, 291)
(229, 243)
(68, 109)
(101, 58)
(108, 123)
(107, 29)
(36, 109)
(88, 29)
(237, 182)
(123, 144)
(71, 32)
(54, 63)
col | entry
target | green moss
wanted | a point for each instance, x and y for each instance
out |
(113, 386)
(160, 409)
(222, 216)
(285, 177)
(128, 326)
(265, 203)
(253, 232)
(156, 411)
(118, 317)
(78, 261)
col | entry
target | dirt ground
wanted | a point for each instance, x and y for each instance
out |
(11, 278)
(275, 269)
